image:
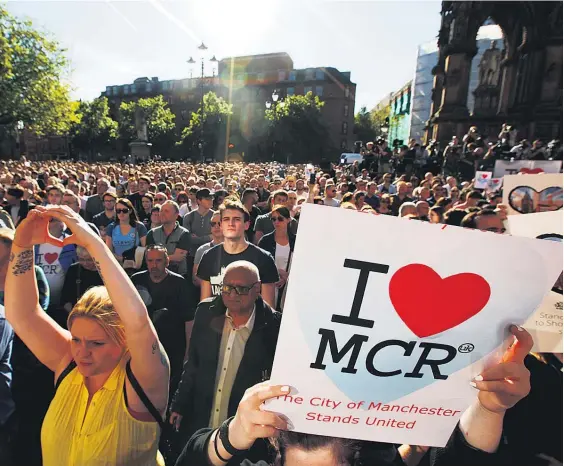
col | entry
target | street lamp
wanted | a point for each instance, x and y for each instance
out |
(191, 62)
(272, 104)
(202, 53)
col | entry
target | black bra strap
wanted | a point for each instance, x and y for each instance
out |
(142, 395)
(65, 372)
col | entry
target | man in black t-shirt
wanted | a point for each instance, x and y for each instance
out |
(235, 220)
(137, 198)
(169, 304)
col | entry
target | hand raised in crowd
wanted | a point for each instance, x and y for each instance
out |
(502, 386)
(501, 211)
(34, 229)
(251, 422)
(82, 234)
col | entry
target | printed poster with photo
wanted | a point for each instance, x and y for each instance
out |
(382, 346)
(545, 325)
(527, 194)
(526, 167)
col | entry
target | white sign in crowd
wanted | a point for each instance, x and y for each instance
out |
(383, 340)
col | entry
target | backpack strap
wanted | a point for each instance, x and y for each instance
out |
(65, 372)
(142, 396)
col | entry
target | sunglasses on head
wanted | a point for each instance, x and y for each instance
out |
(122, 211)
(239, 289)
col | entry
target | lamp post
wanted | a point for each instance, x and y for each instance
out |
(273, 104)
(202, 53)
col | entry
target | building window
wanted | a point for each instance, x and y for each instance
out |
(164, 85)
(345, 127)
(309, 75)
(108, 90)
(346, 110)
(116, 90)
(281, 76)
(183, 114)
(134, 88)
(260, 77)
(307, 89)
(347, 92)
(185, 84)
(319, 91)
(169, 100)
(126, 89)
(319, 75)
(343, 144)
(148, 87)
(290, 91)
(292, 76)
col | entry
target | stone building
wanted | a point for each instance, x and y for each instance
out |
(524, 89)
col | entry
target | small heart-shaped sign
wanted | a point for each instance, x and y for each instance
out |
(429, 304)
(484, 175)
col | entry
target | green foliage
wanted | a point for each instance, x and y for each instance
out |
(94, 128)
(368, 125)
(160, 122)
(297, 128)
(31, 79)
(216, 111)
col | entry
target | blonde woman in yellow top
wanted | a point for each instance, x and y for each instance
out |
(111, 371)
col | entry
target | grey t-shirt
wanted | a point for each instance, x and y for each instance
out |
(200, 226)
(200, 252)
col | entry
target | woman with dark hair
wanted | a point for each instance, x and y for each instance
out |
(127, 232)
(155, 217)
(182, 201)
(436, 214)
(218, 198)
(476, 440)
(120, 191)
(280, 244)
(145, 214)
(445, 203)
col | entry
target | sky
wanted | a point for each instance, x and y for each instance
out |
(114, 42)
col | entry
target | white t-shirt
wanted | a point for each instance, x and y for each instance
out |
(282, 256)
(184, 209)
(48, 259)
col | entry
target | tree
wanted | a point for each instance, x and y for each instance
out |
(216, 111)
(297, 129)
(94, 129)
(364, 126)
(161, 130)
(381, 118)
(32, 88)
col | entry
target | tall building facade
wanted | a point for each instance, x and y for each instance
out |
(400, 108)
(427, 59)
(248, 83)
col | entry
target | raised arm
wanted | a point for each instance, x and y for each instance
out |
(149, 362)
(49, 342)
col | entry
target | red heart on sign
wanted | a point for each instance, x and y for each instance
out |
(484, 175)
(51, 257)
(531, 171)
(429, 304)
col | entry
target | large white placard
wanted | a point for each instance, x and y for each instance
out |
(527, 194)
(506, 167)
(545, 325)
(381, 336)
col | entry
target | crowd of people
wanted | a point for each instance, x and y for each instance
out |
(143, 304)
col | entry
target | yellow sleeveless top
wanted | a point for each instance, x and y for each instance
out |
(107, 436)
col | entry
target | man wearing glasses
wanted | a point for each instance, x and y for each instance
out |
(108, 215)
(330, 195)
(231, 349)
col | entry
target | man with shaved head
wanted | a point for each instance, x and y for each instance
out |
(232, 348)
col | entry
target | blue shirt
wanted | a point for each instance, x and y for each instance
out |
(121, 242)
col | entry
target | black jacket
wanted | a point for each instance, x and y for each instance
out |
(268, 243)
(194, 397)
(25, 207)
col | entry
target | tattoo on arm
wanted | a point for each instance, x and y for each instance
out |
(156, 346)
(23, 262)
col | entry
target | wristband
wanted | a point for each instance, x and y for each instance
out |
(217, 449)
(224, 437)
